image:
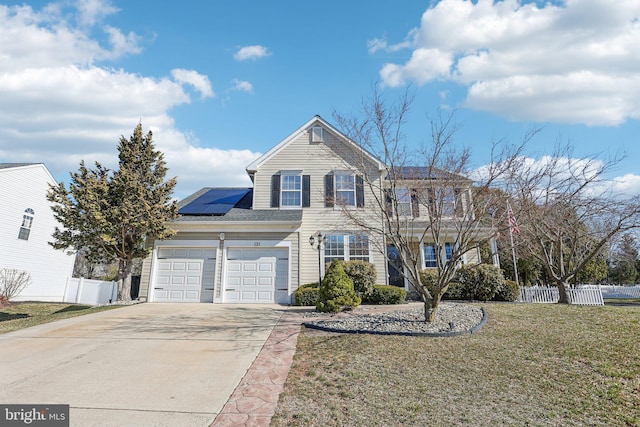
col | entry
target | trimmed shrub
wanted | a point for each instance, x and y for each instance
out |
(336, 290)
(307, 295)
(386, 294)
(509, 292)
(429, 278)
(480, 282)
(363, 275)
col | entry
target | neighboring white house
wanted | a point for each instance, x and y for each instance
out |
(26, 225)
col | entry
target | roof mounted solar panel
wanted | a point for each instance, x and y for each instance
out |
(216, 201)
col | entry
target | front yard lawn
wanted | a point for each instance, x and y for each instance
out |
(20, 315)
(531, 365)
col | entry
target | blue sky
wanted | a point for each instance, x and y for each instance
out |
(219, 83)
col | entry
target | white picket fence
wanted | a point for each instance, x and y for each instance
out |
(609, 291)
(581, 294)
(93, 292)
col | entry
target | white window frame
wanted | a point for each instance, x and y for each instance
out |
(403, 202)
(27, 223)
(445, 253)
(345, 247)
(339, 201)
(283, 177)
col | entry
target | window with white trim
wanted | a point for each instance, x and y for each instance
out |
(403, 201)
(346, 247)
(345, 188)
(291, 190)
(25, 227)
(431, 252)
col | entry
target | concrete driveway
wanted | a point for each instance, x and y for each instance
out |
(142, 365)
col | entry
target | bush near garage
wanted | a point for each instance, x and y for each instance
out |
(386, 294)
(307, 294)
(363, 274)
(336, 291)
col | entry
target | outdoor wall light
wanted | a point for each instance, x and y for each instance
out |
(319, 240)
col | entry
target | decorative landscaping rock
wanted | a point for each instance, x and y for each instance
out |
(452, 319)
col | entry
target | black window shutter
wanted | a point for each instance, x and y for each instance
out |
(306, 191)
(359, 191)
(275, 191)
(415, 205)
(388, 202)
(328, 191)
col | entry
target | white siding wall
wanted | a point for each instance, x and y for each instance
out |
(317, 160)
(22, 188)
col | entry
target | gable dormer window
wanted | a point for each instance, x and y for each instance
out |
(317, 134)
(25, 227)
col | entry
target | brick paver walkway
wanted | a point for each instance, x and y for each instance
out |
(254, 401)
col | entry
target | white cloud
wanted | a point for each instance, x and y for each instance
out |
(577, 62)
(60, 106)
(198, 81)
(242, 86)
(251, 52)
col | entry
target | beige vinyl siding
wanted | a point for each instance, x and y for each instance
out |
(318, 160)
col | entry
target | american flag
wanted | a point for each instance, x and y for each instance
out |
(511, 219)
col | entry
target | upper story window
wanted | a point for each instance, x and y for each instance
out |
(345, 188)
(403, 201)
(291, 188)
(27, 221)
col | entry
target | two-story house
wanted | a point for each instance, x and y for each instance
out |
(244, 245)
(26, 226)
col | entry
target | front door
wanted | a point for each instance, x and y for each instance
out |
(394, 266)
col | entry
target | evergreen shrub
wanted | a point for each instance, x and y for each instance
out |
(386, 294)
(336, 290)
(363, 274)
(307, 295)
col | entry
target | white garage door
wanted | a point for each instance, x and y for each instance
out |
(185, 275)
(257, 275)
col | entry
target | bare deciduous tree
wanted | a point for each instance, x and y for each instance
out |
(426, 196)
(568, 212)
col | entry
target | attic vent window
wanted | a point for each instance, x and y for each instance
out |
(316, 134)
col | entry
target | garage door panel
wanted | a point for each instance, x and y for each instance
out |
(186, 275)
(253, 274)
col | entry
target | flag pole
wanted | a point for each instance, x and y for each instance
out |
(512, 224)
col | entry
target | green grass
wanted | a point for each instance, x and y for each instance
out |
(531, 365)
(24, 315)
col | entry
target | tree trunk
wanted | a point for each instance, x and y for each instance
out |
(431, 309)
(564, 295)
(124, 280)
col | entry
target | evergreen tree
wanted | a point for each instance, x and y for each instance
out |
(336, 290)
(110, 215)
(624, 268)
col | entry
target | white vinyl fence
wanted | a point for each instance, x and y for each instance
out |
(609, 291)
(582, 295)
(93, 292)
